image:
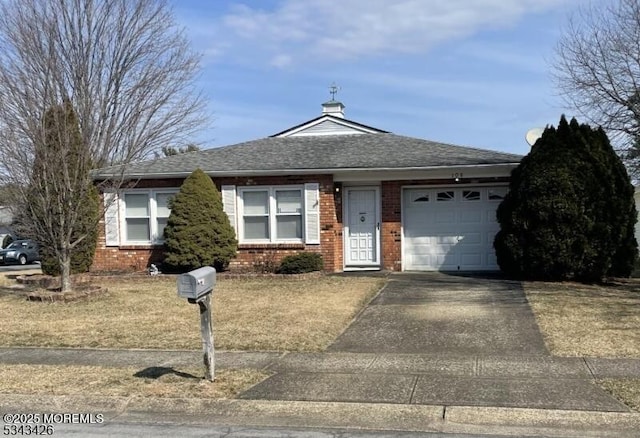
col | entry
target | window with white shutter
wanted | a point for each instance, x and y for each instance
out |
(138, 217)
(276, 214)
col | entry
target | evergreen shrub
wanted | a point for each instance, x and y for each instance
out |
(198, 231)
(301, 263)
(570, 212)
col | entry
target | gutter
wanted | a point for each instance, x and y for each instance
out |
(280, 172)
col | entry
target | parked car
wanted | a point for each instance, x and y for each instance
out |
(21, 252)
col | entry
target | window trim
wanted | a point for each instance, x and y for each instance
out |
(272, 213)
(153, 216)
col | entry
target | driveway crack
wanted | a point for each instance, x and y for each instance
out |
(586, 363)
(413, 389)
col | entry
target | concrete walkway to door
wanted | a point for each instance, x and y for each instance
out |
(435, 313)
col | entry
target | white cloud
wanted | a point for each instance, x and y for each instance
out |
(324, 30)
(281, 61)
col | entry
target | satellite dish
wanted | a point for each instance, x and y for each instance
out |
(533, 135)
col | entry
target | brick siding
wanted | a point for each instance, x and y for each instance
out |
(250, 256)
(254, 257)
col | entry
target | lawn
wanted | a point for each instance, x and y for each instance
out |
(588, 320)
(249, 314)
(124, 382)
(592, 320)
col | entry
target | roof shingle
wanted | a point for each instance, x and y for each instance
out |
(330, 152)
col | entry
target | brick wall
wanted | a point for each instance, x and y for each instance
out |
(250, 256)
(390, 232)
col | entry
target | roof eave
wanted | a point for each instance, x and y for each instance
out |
(279, 172)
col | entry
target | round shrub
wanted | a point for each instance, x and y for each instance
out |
(301, 263)
(198, 231)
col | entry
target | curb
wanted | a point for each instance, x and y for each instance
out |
(360, 416)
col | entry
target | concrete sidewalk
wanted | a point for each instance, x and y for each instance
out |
(377, 391)
(387, 363)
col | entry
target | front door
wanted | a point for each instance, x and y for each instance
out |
(362, 227)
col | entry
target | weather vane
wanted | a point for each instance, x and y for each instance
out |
(333, 90)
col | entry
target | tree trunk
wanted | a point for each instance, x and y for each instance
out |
(65, 272)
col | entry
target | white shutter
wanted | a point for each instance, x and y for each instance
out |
(229, 203)
(111, 220)
(312, 213)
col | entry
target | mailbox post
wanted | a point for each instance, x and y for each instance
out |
(197, 287)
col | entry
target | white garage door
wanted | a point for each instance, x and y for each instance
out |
(451, 228)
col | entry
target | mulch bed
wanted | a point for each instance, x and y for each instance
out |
(80, 292)
(45, 288)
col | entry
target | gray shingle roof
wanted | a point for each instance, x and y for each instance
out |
(312, 153)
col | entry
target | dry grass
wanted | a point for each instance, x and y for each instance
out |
(255, 314)
(588, 320)
(625, 390)
(125, 382)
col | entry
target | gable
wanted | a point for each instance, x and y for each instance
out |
(328, 125)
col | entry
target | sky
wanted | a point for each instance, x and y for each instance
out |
(467, 72)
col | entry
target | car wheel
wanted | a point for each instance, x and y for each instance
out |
(22, 259)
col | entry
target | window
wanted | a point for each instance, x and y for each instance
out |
(145, 216)
(497, 193)
(289, 214)
(162, 213)
(256, 215)
(137, 217)
(421, 197)
(272, 214)
(470, 195)
(445, 196)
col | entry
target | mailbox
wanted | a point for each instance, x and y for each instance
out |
(197, 283)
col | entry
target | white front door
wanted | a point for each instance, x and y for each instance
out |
(362, 227)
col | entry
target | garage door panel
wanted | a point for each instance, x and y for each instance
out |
(447, 262)
(491, 215)
(471, 217)
(420, 243)
(445, 217)
(471, 239)
(452, 234)
(445, 240)
(473, 259)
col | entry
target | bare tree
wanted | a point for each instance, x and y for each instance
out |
(168, 151)
(597, 70)
(125, 70)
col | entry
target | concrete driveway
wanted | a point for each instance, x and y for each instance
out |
(435, 313)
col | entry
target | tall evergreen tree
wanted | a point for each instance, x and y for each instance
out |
(198, 232)
(61, 206)
(87, 228)
(570, 212)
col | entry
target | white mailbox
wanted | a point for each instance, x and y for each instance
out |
(197, 283)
